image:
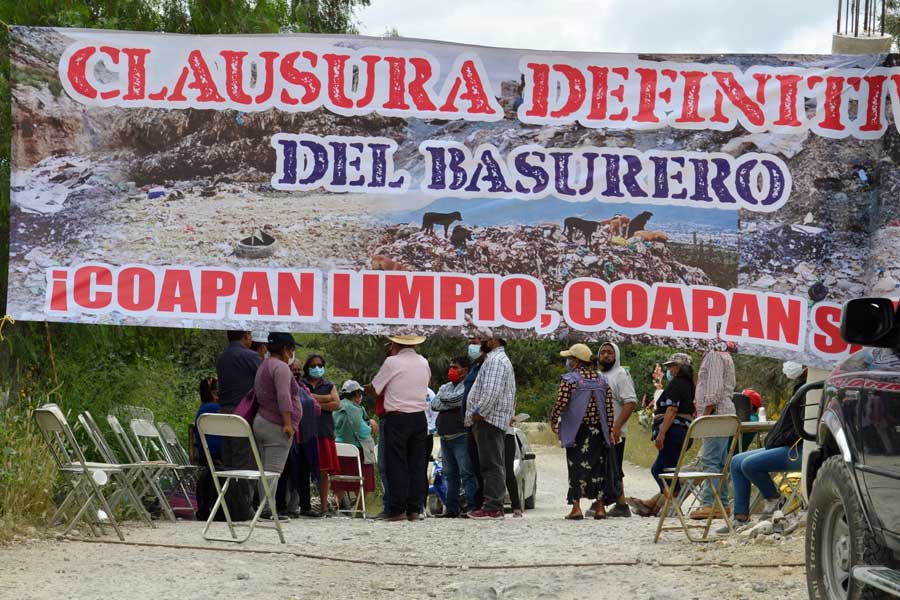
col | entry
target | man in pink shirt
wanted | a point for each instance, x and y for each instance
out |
(404, 378)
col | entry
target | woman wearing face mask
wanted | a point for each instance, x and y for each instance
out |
(325, 393)
(278, 417)
(674, 412)
(583, 419)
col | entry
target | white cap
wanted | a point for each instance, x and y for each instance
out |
(791, 369)
(260, 337)
(350, 386)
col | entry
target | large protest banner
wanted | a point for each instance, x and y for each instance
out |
(362, 185)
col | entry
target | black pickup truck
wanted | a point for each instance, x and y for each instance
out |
(853, 473)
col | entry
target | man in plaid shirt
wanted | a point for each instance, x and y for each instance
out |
(489, 409)
(713, 396)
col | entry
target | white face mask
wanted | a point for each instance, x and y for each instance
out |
(291, 359)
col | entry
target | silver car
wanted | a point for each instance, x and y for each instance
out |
(525, 468)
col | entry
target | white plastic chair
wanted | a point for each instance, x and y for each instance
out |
(702, 428)
(224, 425)
(86, 479)
(351, 451)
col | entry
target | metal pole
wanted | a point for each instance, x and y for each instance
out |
(883, 9)
(856, 19)
(840, 5)
(866, 18)
(847, 18)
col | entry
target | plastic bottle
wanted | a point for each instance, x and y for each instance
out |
(762, 414)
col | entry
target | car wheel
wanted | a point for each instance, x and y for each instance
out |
(529, 502)
(838, 537)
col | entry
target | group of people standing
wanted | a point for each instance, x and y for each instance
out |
(301, 417)
(475, 410)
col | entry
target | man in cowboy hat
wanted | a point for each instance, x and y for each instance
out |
(404, 378)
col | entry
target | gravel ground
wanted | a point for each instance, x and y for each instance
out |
(313, 562)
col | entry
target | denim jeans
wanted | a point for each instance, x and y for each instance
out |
(382, 465)
(668, 456)
(458, 467)
(712, 457)
(754, 467)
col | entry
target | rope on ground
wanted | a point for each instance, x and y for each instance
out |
(389, 563)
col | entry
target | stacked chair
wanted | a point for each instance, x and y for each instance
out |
(122, 482)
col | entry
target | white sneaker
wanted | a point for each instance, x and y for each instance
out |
(738, 526)
(772, 509)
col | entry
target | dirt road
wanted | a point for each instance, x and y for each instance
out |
(525, 558)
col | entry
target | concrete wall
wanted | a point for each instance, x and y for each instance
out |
(845, 44)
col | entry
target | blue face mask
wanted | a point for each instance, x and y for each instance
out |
(474, 351)
(317, 372)
(569, 366)
(668, 375)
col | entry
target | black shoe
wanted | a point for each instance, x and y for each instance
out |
(311, 514)
(294, 513)
(447, 515)
(619, 510)
(267, 516)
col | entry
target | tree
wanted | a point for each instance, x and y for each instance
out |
(892, 21)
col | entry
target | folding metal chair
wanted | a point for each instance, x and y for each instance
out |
(138, 476)
(127, 412)
(86, 479)
(175, 450)
(156, 469)
(790, 486)
(234, 426)
(705, 427)
(689, 492)
(151, 444)
(351, 451)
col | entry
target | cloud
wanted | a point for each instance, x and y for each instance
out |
(663, 26)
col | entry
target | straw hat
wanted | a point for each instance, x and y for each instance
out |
(579, 351)
(407, 340)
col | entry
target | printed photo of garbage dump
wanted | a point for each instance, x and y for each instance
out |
(190, 187)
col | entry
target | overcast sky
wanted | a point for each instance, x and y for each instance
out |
(677, 26)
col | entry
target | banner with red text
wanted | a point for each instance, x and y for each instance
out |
(346, 184)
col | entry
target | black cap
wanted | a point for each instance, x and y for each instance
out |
(281, 338)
